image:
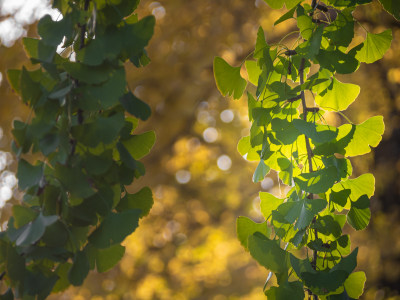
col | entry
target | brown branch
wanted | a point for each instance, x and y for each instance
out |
(309, 156)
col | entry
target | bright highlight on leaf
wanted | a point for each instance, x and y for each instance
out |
(338, 96)
(228, 79)
(374, 46)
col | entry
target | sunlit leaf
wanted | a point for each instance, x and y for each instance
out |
(261, 171)
(374, 46)
(352, 189)
(246, 227)
(277, 4)
(228, 79)
(338, 96)
(253, 71)
(268, 203)
(318, 181)
(367, 134)
(286, 16)
(354, 284)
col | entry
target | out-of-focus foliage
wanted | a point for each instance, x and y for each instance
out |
(76, 211)
(187, 246)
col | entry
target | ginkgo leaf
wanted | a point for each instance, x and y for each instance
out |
(253, 71)
(352, 189)
(338, 96)
(268, 253)
(293, 290)
(246, 227)
(268, 203)
(260, 172)
(228, 79)
(277, 4)
(367, 134)
(374, 46)
(354, 284)
(354, 139)
(319, 181)
(360, 214)
(392, 6)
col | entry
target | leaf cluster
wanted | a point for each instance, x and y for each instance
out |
(290, 135)
(76, 210)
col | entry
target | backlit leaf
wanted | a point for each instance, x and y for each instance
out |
(228, 79)
(268, 253)
(246, 227)
(354, 284)
(374, 46)
(360, 214)
(261, 171)
(318, 181)
(268, 203)
(338, 96)
(140, 145)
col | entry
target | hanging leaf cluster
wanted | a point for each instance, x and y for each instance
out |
(76, 210)
(291, 88)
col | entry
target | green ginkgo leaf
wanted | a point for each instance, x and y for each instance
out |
(352, 189)
(277, 4)
(363, 136)
(269, 203)
(253, 71)
(360, 214)
(246, 227)
(260, 172)
(374, 46)
(228, 79)
(319, 181)
(392, 6)
(354, 284)
(338, 96)
(268, 253)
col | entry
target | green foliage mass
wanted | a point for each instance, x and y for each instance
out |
(76, 211)
(293, 87)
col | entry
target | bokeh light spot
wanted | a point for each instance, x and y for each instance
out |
(224, 162)
(210, 135)
(183, 176)
(5, 195)
(267, 183)
(227, 116)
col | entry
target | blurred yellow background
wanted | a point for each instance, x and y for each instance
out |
(187, 247)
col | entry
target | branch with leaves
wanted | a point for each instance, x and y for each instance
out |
(76, 209)
(294, 85)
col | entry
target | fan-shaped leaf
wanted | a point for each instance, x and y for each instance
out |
(228, 79)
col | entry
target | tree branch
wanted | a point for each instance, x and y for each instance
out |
(309, 156)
